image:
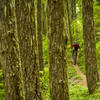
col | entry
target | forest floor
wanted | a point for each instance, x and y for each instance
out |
(80, 73)
(82, 80)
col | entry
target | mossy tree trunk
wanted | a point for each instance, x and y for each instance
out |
(2, 31)
(72, 7)
(25, 11)
(39, 33)
(57, 51)
(44, 17)
(69, 20)
(10, 53)
(89, 45)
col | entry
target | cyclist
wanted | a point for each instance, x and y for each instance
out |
(75, 47)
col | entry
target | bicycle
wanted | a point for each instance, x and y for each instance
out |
(74, 57)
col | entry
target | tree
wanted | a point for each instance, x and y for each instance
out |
(72, 13)
(1, 30)
(25, 12)
(69, 21)
(44, 16)
(57, 48)
(73, 9)
(39, 33)
(10, 53)
(89, 45)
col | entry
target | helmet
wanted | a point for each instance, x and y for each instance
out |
(75, 43)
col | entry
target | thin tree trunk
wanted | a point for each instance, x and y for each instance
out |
(74, 9)
(72, 14)
(89, 45)
(57, 54)
(44, 18)
(39, 33)
(72, 6)
(69, 21)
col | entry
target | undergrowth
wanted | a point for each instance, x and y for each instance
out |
(76, 91)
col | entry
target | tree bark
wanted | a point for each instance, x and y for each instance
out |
(25, 11)
(69, 20)
(57, 48)
(39, 33)
(89, 45)
(44, 18)
(10, 53)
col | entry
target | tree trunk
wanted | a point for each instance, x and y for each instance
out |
(39, 33)
(69, 21)
(73, 9)
(10, 54)
(44, 18)
(25, 11)
(57, 54)
(89, 45)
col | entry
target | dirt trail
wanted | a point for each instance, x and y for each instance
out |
(83, 82)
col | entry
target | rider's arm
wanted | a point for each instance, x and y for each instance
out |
(72, 46)
(78, 47)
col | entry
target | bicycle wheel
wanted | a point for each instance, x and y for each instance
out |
(75, 57)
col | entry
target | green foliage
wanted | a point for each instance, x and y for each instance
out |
(0, 73)
(71, 72)
(97, 14)
(78, 92)
(43, 1)
(2, 94)
(1, 86)
(45, 49)
(44, 79)
(44, 82)
(78, 77)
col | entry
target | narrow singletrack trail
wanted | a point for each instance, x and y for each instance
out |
(79, 72)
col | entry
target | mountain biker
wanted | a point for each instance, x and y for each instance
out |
(75, 47)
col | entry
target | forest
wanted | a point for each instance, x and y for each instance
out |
(49, 49)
